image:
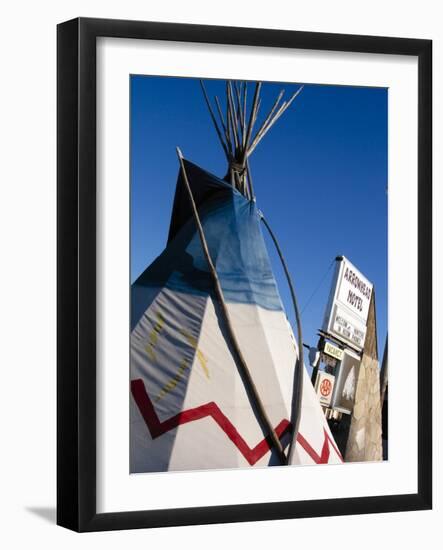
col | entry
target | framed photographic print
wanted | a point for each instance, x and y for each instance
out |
(244, 216)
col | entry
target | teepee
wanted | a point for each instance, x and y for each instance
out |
(217, 380)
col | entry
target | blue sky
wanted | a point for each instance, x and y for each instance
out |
(320, 177)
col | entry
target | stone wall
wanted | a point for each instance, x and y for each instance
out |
(364, 441)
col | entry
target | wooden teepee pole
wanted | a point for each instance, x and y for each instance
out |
(298, 373)
(214, 120)
(249, 382)
(268, 125)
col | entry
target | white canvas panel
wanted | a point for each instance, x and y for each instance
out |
(180, 352)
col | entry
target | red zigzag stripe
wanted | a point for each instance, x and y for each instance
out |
(158, 428)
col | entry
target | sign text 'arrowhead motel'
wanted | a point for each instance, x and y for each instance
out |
(348, 306)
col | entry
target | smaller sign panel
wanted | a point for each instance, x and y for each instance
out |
(347, 328)
(328, 360)
(324, 386)
(333, 351)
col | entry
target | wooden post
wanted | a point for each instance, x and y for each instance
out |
(214, 121)
(315, 369)
(284, 106)
(249, 382)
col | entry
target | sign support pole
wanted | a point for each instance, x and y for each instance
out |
(315, 369)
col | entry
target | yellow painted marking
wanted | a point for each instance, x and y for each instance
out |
(200, 355)
(153, 337)
(172, 382)
(151, 353)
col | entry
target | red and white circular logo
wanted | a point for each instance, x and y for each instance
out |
(325, 387)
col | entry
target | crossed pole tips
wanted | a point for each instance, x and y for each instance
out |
(235, 127)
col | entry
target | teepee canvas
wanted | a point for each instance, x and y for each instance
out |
(193, 404)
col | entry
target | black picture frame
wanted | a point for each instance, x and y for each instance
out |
(76, 265)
